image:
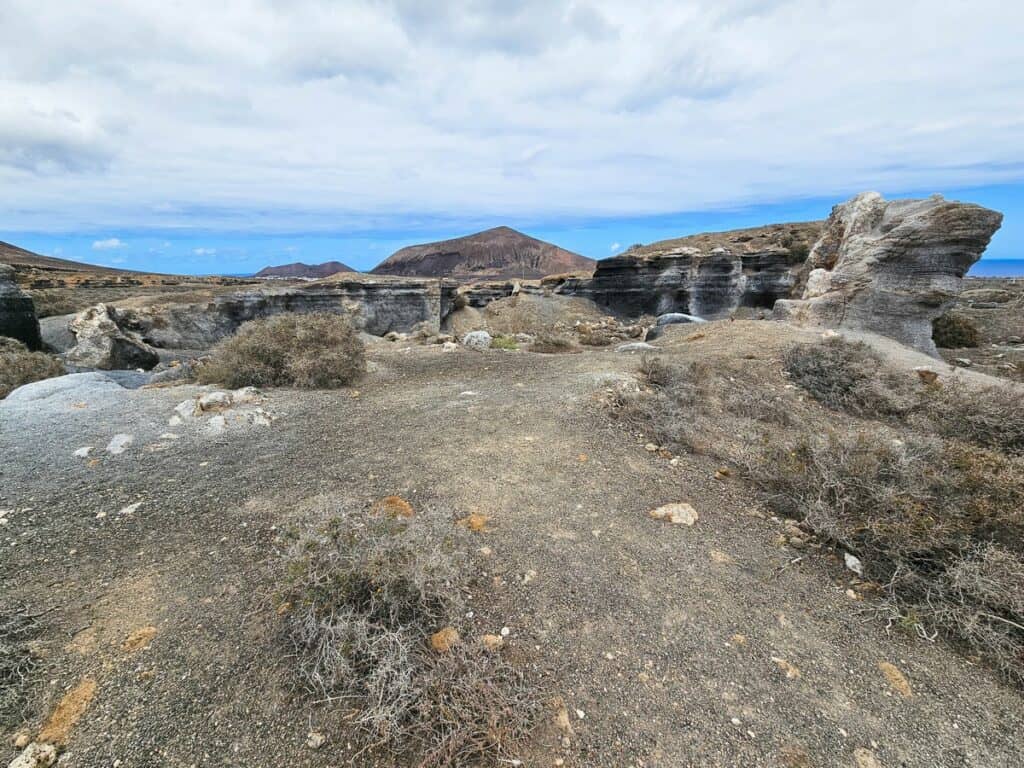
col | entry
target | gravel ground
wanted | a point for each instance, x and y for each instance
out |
(670, 645)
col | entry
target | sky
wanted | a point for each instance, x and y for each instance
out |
(203, 137)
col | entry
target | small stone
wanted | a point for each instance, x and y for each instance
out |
(581, 714)
(650, 447)
(444, 640)
(852, 595)
(926, 375)
(677, 514)
(83, 452)
(792, 673)
(449, 346)
(393, 506)
(170, 436)
(896, 679)
(963, 362)
(797, 542)
(22, 739)
(486, 551)
(505, 631)
(216, 400)
(865, 758)
(130, 509)
(492, 642)
(119, 444)
(315, 740)
(529, 576)
(853, 563)
(36, 755)
(735, 721)
(186, 409)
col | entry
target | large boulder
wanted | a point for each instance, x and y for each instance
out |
(890, 267)
(17, 311)
(100, 343)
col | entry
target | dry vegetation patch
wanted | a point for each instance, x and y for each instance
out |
(364, 597)
(18, 366)
(19, 668)
(923, 483)
(310, 351)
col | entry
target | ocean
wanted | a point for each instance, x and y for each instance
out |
(998, 268)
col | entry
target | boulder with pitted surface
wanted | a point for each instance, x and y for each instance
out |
(890, 267)
(101, 343)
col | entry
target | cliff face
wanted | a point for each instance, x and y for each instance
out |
(494, 253)
(377, 307)
(890, 267)
(17, 311)
(708, 275)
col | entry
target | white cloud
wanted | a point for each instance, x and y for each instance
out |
(322, 115)
(204, 251)
(615, 246)
(108, 245)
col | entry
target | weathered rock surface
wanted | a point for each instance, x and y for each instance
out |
(377, 306)
(890, 267)
(478, 340)
(709, 275)
(17, 311)
(101, 343)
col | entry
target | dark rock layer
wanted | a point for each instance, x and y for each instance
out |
(17, 312)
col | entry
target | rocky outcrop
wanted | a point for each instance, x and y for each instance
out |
(709, 275)
(377, 306)
(890, 267)
(101, 343)
(17, 311)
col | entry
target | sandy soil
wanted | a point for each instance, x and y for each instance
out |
(710, 645)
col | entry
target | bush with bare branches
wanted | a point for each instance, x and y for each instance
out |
(311, 351)
(363, 595)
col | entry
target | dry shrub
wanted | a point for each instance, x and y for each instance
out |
(596, 337)
(311, 351)
(365, 592)
(848, 376)
(683, 405)
(552, 344)
(990, 416)
(18, 366)
(939, 523)
(952, 331)
(18, 667)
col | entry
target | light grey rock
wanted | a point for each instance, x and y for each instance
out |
(17, 311)
(673, 318)
(212, 401)
(172, 373)
(101, 343)
(890, 267)
(56, 332)
(637, 346)
(120, 443)
(478, 340)
(35, 755)
(61, 390)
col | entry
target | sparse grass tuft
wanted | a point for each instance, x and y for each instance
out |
(310, 351)
(952, 331)
(504, 342)
(363, 594)
(18, 366)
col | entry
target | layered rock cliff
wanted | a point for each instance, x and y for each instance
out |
(376, 305)
(709, 275)
(890, 267)
(17, 311)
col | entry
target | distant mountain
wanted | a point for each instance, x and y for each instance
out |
(19, 257)
(298, 269)
(495, 253)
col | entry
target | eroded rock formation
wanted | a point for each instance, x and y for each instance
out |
(377, 306)
(709, 275)
(17, 311)
(101, 343)
(890, 267)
